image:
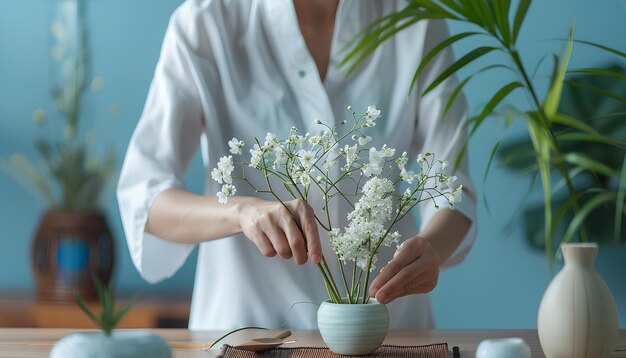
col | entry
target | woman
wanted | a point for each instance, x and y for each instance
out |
(242, 68)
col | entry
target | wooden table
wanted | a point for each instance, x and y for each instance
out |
(37, 342)
(22, 309)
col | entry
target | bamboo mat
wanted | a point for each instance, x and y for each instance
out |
(439, 350)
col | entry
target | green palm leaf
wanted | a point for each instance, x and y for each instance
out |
(584, 212)
(493, 102)
(462, 62)
(551, 104)
(520, 15)
(436, 50)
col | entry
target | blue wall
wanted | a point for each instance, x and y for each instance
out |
(499, 285)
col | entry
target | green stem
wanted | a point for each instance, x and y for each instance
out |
(345, 282)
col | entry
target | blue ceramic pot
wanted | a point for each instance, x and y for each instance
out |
(120, 344)
(353, 329)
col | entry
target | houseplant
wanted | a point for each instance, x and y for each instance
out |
(73, 239)
(109, 342)
(382, 191)
(606, 116)
(499, 24)
(549, 129)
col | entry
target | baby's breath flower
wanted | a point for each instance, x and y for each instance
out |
(270, 141)
(307, 158)
(227, 190)
(235, 145)
(217, 176)
(364, 140)
(388, 152)
(256, 155)
(407, 176)
(456, 196)
(402, 161)
(315, 140)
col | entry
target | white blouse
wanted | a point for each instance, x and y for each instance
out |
(240, 68)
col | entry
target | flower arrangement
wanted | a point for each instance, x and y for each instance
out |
(384, 189)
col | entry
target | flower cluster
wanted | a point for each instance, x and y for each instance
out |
(222, 175)
(324, 160)
(366, 230)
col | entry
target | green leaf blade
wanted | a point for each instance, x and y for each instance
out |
(460, 63)
(493, 102)
(553, 98)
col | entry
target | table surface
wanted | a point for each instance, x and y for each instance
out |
(37, 342)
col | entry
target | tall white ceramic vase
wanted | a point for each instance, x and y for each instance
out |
(577, 316)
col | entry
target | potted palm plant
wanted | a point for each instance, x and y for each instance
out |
(73, 239)
(549, 153)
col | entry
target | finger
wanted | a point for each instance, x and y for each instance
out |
(311, 233)
(264, 244)
(413, 279)
(295, 240)
(276, 235)
(409, 251)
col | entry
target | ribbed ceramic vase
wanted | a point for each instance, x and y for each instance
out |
(577, 316)
(353, 329)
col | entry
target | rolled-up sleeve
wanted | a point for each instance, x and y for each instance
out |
(161, 148)
(445, 136)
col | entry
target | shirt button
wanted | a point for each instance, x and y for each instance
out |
(302, 73)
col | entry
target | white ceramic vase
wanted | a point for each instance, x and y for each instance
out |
(577, 316)
(353, 329)
(120, 344)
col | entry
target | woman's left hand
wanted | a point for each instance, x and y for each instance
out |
(414, 269)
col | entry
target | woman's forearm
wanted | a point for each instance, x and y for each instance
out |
(180, 216)
(445, 232)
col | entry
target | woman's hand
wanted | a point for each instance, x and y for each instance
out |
(414, 269)
(274, 231)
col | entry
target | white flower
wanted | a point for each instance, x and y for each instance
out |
(450, 182)
(280, 157)
(317, 121)
(372, 112)
(256, 155)
(227, 190)
(407, 176)
(364, 140)
(222, 174)
(375, 165)
(307, 158)
(388, 152)
(327, 139)
(366, 226)
(456, 196)
(270, 141)
(315, 140)
(420, 159)
(216, 174)
(226, 165)
(350, 152)
(402, 161)
(235, 145)
(371, 115)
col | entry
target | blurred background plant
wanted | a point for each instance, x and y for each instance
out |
(563, 147)
(68, 178)
(606, 116)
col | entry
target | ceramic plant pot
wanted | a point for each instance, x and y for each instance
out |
(120, 344)
(67, 249)
(578, 317)
(353, 329)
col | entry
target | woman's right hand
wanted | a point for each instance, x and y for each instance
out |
(271, 227)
